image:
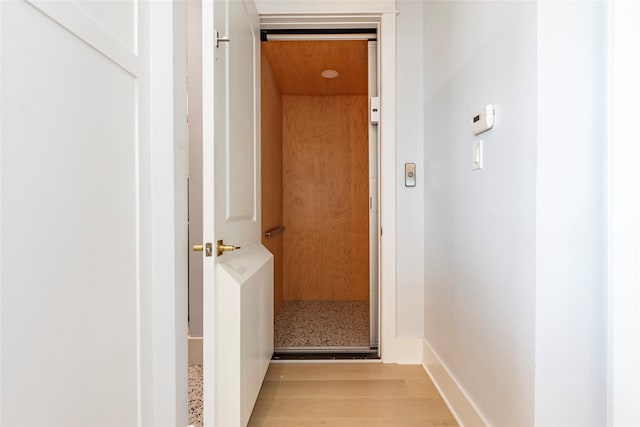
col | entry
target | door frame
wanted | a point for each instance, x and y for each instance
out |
(392, 348)
(166, 391)
(623, 208)
(373, 164)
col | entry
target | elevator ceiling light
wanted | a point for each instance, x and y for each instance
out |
(329, 74)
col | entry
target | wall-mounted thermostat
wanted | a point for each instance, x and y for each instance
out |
(483, 121)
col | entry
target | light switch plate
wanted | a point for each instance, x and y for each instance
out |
(477, 155)
(409, 174)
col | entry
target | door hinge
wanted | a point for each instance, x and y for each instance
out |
(221, 39)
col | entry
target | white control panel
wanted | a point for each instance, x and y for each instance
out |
(483, 121)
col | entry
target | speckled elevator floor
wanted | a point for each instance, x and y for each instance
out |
(195, 394)
(322, 324)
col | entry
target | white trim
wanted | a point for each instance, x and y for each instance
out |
(146, 118)
(294, 21)
(208, 220)
(180, 230)
(394, 349)
(374, 206)
(402, 350)
(623, 376)
(1, 186)
(454, 395)
(168, 214)
(344, 7)
(387, 198)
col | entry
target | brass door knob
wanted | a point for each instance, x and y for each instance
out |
(222, 248)
(208, 249)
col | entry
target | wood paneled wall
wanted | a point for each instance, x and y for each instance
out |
(326, 199)
(271, 164)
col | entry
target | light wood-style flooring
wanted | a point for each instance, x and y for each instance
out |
(349, 394)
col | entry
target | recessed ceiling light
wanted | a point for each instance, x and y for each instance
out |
(329, 74)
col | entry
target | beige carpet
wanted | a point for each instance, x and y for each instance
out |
(322, 324)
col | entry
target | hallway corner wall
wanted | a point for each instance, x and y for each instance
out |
(480, 225)
(571, 285)
(515, 253)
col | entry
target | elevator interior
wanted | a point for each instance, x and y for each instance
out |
(319, 168)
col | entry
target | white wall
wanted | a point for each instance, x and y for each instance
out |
(623, 214)
(571, 345)
(409, 149)
(480, 225)
(514, 254)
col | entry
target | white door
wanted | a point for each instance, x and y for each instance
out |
(238, 285)
(77, 116)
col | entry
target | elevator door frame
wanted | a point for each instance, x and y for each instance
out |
(391, 348)
(373, 69)
(374, 211)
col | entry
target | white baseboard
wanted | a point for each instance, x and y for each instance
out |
(403, 351)
(195, 349)
(462, 408)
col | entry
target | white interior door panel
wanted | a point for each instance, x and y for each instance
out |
(237, 286)
(75, 213)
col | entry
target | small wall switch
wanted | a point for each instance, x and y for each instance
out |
(375, 110)
(477, 155)
(409, 174)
